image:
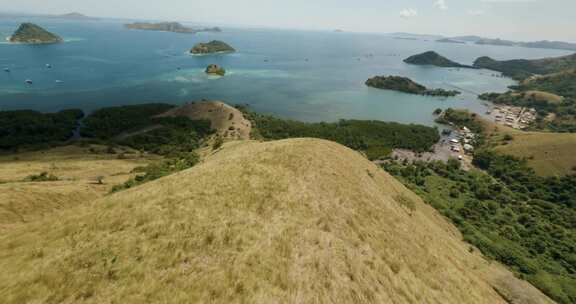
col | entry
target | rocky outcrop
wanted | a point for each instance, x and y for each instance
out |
(215, 69)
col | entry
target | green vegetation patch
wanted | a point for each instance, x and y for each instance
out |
(376, 138)
(461, 118)
(155, 171)
(34, 130)
(563, 84)
(524, 221)
(110, 122)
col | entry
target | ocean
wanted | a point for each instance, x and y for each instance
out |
(303, 75)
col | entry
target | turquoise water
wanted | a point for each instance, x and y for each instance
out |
(305, 75)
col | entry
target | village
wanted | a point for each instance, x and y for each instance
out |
(513, 117)
(456, 143)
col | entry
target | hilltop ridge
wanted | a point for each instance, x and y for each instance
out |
(289, 221)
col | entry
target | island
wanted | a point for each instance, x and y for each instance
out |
(448, 40)
(498, 42)
(174, 27)
(214, 69)
(435, 59)
(214, 46)
(33, 34)
(406, 85)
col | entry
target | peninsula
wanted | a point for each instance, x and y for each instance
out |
(33, 34)
(521, 69)
(406, 85)
(214, 46)
(435, 59)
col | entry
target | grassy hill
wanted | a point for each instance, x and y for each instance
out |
(548, 153)
(291, 221)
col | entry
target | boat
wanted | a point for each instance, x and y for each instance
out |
(48, 65)
(7, 70)
(28, 81)
(58, 81)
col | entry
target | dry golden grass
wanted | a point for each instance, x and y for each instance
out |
(544, 96)
(77, 169)
(293, 221)
(548, 153)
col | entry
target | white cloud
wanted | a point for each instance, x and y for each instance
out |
(441, 4)
(408, 13)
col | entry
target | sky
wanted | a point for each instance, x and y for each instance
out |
(506, 19)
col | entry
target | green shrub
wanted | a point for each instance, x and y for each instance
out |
(42, 177)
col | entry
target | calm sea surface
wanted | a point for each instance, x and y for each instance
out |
(311, 76)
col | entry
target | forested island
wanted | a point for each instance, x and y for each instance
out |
(406, 85)
(174, 27)
(214, 46)
(435, 59)
(33, 34)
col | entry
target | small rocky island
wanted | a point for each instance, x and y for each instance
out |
(34, 34)
(406, 85)
(212, 47)
(174, 27)
(214, 69)
(435, 59)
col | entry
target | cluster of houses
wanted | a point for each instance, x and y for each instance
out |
(463, 142)
(514, 117)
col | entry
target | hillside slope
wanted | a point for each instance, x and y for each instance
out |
(228, 121)
(77, 170)
(521, 69)
(549, 154)
(291, 221)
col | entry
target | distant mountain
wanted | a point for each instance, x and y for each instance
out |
(544, 44)
(169, 27)
(521, 69)
(411, 36)
(500, 42)
(435, 59)
(75, 16)
(33, 34)
(467, 38)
